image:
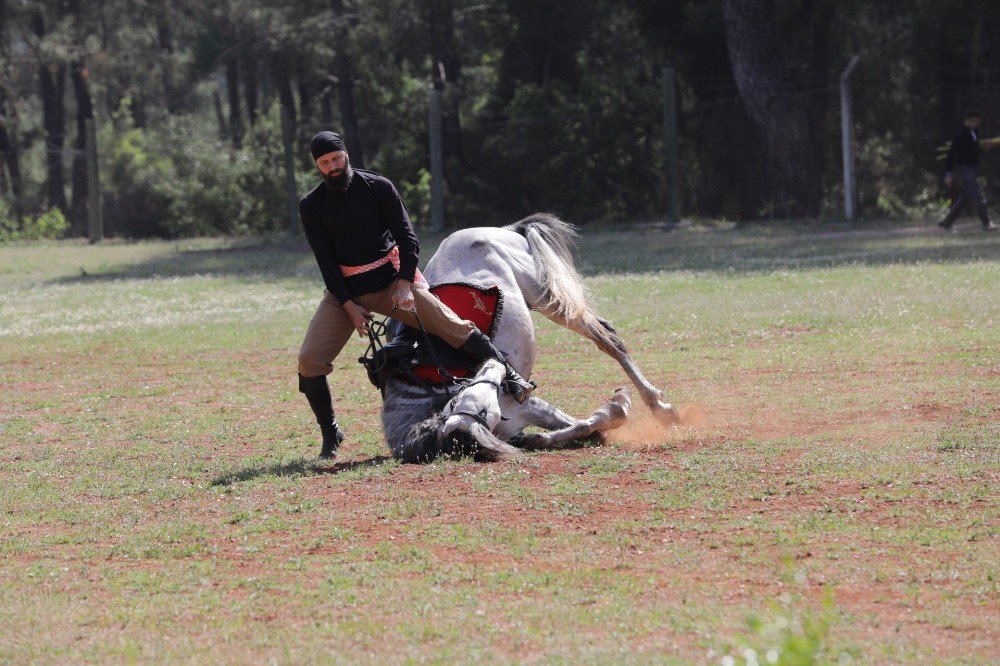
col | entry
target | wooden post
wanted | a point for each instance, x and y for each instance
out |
(670, 146)
(288, 139)
(847, 137)
(95, 219)
(437, 161)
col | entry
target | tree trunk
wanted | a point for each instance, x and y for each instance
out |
(11, 161)
(250, 89)
(52, 83)
(345, 85)
(9, 152)
(220, 115)
(164, 40)
(307, 105)
(445, 72)
(84, 112)
(233, 90)
(282, 72)
(777, 106)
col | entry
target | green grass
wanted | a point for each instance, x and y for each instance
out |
(160, 499)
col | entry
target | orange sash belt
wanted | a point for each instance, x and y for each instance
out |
(392, 257)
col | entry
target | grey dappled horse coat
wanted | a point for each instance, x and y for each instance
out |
(531, 261)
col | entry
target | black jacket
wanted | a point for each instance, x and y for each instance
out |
(964, 150)
(357, 227)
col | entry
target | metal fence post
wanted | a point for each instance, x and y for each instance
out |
(437, 161)
(95, 218)
(847, 137)
(670, 146)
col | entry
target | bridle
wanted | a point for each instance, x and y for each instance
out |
(479, 416)
(453, 388)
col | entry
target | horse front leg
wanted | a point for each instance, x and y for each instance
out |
(610, 415)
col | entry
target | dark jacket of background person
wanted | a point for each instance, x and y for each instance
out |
(964, 150)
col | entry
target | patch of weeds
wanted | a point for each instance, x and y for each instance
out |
(239, 517)
(786, 638)
(300, 506)
(482, 537)
(412, 557)
(608, 464)
(981, 411)
(969, 439)
(567, 508)
(266, 524)
(443, 466)
(662, 476)
(408, 508)
(507, 483)
(570, 484)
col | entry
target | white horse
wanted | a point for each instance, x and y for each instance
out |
(531, 261)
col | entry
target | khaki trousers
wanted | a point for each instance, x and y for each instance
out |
(331, 326)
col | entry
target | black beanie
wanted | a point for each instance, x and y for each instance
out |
(326, 142)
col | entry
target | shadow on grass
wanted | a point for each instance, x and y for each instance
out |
(752, 249)
(272, 257)
(300, 467)
(352, 465)
(761, 250)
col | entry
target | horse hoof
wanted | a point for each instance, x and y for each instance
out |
(532, 442)
(616, 409)
(667, 414)
(622, 396)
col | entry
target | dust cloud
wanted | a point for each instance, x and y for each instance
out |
(646, 431)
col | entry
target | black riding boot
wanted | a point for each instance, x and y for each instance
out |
(480, 347)
(318, 394)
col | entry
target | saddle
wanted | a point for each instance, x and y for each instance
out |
(410, 352)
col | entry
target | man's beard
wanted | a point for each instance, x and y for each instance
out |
(342, 181)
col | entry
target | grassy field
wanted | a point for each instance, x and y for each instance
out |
(160, 499)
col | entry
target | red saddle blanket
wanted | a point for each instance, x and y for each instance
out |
(481, 306)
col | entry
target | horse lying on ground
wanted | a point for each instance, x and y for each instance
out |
(531, 262)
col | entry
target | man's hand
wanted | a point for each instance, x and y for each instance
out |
(402, 297)
(359, 317)
(948, 180)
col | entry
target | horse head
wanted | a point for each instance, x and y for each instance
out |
(471, 416)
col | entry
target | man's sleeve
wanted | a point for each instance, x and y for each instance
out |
(319, 241)
(398, 222)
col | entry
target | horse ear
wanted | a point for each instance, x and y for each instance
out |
(491, 447)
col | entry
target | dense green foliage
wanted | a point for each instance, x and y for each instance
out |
(548, 104)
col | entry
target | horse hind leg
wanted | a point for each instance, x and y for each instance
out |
(610, 415)
(602, 333)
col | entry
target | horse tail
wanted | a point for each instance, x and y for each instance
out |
(552, 242)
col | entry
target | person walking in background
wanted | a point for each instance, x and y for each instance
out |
(366, 249)
(962, 163)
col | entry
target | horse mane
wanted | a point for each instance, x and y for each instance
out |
(409, 432)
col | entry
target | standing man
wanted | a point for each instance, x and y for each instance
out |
(366, 249)
(963, 162)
